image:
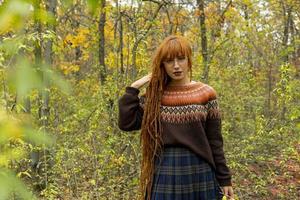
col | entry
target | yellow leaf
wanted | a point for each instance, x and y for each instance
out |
(93, 182)
(24, 173)
(10, 129)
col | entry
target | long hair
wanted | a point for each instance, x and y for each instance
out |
(151, 130)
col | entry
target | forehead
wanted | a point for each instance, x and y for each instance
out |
(173, 49)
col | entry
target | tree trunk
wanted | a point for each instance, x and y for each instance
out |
(102, 20)
(121, 45)
(288, 17)
(203, 41)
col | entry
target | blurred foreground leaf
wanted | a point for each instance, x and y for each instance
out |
(9, 184)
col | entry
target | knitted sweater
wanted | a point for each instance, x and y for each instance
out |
(190, 116)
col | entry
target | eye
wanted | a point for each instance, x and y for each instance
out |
(169, 61)
(181, 58)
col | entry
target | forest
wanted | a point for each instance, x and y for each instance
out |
(65, 63)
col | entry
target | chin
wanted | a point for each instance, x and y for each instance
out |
(177, 77)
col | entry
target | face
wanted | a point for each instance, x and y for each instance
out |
(177, 68)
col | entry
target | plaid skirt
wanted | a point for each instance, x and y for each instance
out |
(183, 175)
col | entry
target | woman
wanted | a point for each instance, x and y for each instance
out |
(180, 122)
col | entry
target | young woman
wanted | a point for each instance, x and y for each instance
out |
(180, 122)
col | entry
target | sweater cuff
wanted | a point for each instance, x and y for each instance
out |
(132, 90)
(225, 182)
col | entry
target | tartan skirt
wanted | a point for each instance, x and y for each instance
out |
(183, 175)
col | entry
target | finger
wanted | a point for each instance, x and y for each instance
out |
(230, 194)
(229, 197)
(225, 191)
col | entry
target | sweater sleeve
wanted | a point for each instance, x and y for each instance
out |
(130, 110)
(215, 139)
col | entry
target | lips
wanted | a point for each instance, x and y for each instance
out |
(177, 73)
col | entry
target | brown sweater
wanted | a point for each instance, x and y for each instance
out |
(190, 116)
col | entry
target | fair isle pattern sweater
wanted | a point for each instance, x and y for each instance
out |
(190, 116)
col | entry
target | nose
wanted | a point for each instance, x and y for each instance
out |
(176, 65)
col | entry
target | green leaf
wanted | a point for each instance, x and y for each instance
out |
(38, 137)
(10, 184)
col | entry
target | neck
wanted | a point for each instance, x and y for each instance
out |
(184, 81)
